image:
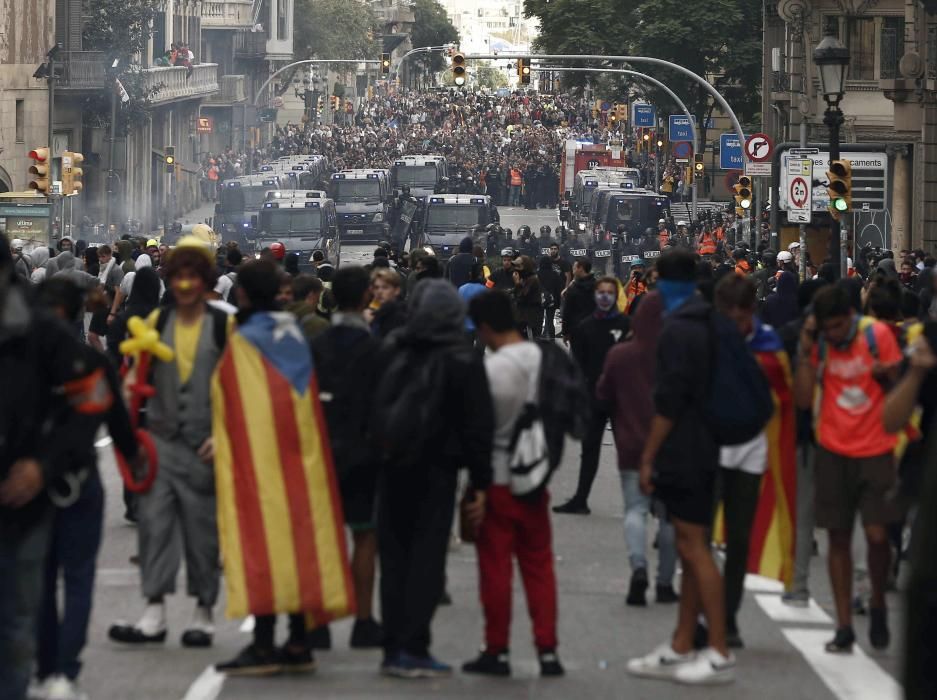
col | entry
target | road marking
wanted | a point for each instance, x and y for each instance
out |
(778, 611)
(207, 686)
(848, 676)
(762, 584)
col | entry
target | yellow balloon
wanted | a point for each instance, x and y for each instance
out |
(144, 339)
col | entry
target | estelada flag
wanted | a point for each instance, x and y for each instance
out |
(773, 535)
(280, 519)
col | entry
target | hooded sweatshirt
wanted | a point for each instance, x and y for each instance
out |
(460, 267)
(578, 302)
(782, 307)
(126, 255)
(627, 382)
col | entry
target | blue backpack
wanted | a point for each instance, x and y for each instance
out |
(738, 402)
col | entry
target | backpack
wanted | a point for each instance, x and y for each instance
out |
(529, 455)
(408, 405)
(738, 402)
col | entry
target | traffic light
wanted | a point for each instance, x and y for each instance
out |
(840, 187)
(170, 159)
(39, 172)
(523, 71)
(385, 64)
(660, 141)
(612, 118)
(72, 172)
(698, 166)
(743, 193)
(457, 65)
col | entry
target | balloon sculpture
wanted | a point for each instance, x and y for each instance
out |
(143, 344)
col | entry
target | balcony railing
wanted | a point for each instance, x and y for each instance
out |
(233, 90)
(250, 44)
(85, 70)
(227, 14)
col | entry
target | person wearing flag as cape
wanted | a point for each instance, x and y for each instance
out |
(279, 514)
(179, 420)
(757, 479)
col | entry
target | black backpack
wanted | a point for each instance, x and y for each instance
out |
(738, 402)
(408, 405)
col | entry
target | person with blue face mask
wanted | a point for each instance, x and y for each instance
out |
(592, 338)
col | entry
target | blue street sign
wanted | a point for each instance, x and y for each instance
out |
(644, 116)
(682, 149)
(730, 152)
(680, 128)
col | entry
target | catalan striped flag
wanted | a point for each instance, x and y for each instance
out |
(773, 535)
(279, 513)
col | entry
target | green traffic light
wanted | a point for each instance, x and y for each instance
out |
(840, 204)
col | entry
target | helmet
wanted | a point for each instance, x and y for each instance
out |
(544, 230)
(785, 257)
(523, 231)
(508, 233)
(769, 258)
(507, 253)
(793, 246)
(278, 250)
(649, 231)
(560, 230)
(622, 228)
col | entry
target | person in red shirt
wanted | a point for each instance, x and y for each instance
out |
(846, 363)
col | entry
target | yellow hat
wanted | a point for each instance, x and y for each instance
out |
(197, 244)
(152, 243)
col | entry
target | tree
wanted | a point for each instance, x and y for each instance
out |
(341, 29)
(119, 28)
(431, 27)
(718, 39)
(490, 76)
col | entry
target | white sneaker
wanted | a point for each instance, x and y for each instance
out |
(663, 662)
(709, 668)
(63, 689)
(153, 620)
(39, 690)
(202, 619)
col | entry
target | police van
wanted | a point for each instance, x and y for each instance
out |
(304, 222)
(635, 210)
(363, 201)
(299, 172)
(239, 200)
(451, 217)
(585, 184)
(424, 175)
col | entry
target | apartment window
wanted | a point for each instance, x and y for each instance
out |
(281, 19)
(860, 38)
(892, 47)
(20, 121)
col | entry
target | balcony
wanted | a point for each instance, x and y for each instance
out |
(227, 14)
(84, 71)
(233, 91)
(250, 44)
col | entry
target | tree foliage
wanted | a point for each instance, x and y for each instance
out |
(119, 28)
(490, 76)
(718, 39)
(431, 27)
(342, 29)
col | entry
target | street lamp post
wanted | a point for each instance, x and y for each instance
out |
(832, 60)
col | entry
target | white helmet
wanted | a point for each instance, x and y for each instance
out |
(785, 257)
(794, 246)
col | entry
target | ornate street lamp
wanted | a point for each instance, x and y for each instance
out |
(832, 60)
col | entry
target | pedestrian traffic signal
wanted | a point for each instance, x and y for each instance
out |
(458, 69)
(743, 193)
(523, 71)
(170, 159)
(698, 165)
(385, 64)
(72, 173)
(39, 173)
(840, 187)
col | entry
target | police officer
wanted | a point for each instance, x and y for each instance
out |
(601, 251)
(650, 246)
(545, 241)
(574, 247)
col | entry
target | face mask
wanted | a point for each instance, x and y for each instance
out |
(604, 300)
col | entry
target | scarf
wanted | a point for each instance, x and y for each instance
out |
(674, 293)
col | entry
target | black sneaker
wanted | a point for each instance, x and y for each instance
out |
(550, 664)
(252, 661)
(666, 594)
(319, 638)
(367, 634)
(637, 589)
(489, 665)
(572, 507)
(842, 642)
(296, 659)
(879, 636)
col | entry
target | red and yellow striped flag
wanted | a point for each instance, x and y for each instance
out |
(773, 535)
(280, 520)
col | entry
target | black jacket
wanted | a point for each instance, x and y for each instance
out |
(346, 362)
(578, 303)
(389, 317)
(689, 454)
(591, 341)
(460, 268)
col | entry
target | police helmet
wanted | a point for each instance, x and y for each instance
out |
(649, 231)
(544, 230)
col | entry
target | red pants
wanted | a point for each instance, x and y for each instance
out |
(521, 528)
